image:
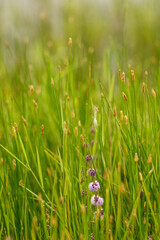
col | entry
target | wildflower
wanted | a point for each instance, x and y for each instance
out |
(97, 200)
(92, 142)
(92, 172)
(88, 158)
(82, 180)
(92, 130)
(94, 186)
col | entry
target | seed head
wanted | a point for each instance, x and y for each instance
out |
(150, 172)
(140, 176)
(126, 119)
(124, 96)
(35, 104)
(42, 129)
(31, 89)
(73, 115)
(121, 115)
(14, 164)
(143, 87)
(153, 93)
(114, 110)
(123, 77)
(149, 161)
(132, 74)
(79, 123)
(102, 95)
(76, 131)
(59, 68)
(136, 157)
(70, 42)
(52, 82)
(119, 74)
(24, 121)
(15, 127)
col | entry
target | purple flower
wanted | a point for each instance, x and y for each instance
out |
(92, 130)
(94, 186)
(97, 200)
(88, 158)
(92, 142)
(91, 172)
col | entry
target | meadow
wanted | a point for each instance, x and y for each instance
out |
(79, 120)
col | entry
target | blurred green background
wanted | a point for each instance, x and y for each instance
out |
(128, 29)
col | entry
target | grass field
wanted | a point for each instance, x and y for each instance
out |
(79, 120)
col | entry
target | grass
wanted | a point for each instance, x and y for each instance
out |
(56, 96)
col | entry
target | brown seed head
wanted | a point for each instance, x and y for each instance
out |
(121, 115)
(119, 74)
(153, 93)
(149, 161)
(124, 96)
(31, 89)
(59, 68)
(143, 87)
(140, 176)
(70, 42)
(35, 104)
(126, 119)
(24, 121)
(42, 129)
(14, 164)
(132, 74)
(114, 110)
(123, 77)
(136, 157)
